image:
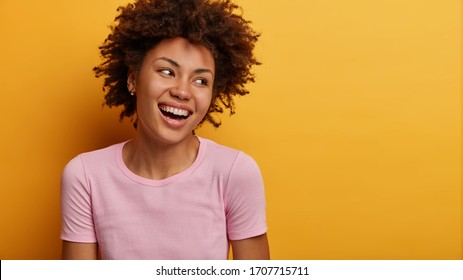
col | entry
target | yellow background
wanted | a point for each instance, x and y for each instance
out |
(354, 121)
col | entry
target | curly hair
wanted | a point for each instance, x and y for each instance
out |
(214, 24)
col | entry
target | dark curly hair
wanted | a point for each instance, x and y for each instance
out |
(214, 24)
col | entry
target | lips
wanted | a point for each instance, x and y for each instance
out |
(175, 115)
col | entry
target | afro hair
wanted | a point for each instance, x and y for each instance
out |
(217, 25)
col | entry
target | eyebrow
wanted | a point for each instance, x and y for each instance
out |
(176, 64)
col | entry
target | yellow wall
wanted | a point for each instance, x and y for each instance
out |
(354, 120)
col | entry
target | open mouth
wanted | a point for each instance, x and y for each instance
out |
(174, 113)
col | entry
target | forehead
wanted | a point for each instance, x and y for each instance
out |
(182, 51)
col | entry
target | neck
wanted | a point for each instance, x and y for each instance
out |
(157, 161)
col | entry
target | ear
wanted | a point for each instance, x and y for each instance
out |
(131, 81)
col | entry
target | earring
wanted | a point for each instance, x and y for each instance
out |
(132, 93)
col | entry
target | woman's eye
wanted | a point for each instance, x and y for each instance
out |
(166, 72)
(201, 82)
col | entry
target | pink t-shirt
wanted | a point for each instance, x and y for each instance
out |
(190, 215)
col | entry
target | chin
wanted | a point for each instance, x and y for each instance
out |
(174, 137)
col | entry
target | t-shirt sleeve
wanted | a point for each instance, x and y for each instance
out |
(76, 205)
(245, 200)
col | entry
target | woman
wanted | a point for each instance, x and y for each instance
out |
(168, 194)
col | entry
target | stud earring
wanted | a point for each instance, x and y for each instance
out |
(132, 93)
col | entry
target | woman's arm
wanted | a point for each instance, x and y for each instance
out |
(79, 251)
(254, 248)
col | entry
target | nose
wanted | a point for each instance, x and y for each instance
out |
(181, 90)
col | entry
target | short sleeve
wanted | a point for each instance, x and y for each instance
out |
(76, 206)
(245, 200)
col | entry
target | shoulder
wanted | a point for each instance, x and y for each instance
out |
(98, 155)
(224, 154)
(102, 154)
(218, 149)
(95, 158)
(237, 163)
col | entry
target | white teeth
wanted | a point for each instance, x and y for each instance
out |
(175, 111)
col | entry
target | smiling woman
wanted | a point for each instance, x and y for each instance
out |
(168, 194)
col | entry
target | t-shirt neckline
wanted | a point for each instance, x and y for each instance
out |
(163, 182)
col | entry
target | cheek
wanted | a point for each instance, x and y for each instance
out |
(204, 102)
(146, 104)
(148, 95)
(154, 89)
